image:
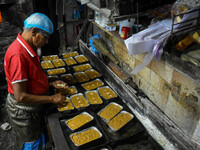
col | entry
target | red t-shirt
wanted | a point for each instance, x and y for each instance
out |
(21, 63)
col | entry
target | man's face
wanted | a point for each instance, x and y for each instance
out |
(40, 38)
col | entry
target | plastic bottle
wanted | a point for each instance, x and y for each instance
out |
(125, 32)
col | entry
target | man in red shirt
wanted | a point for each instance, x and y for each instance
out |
(28, 84)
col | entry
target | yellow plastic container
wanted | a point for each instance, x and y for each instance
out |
(183, 44)
(196, 37)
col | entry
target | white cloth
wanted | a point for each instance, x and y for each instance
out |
(153, 39)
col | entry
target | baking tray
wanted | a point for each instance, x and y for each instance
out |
(70, 54)
(48, 71)
(110, 98)
(71, 59)
(58, 63)
(126, 124)
(103, 143)
(110, 111)
(49, 67)
(74, 68)
(79, 108)
(134, 128)
(50, 57)
(96, 82)
(93, 92)
(81, 77)
(68, 78)
(85, 125)
(95, 74)
(79, 59)
(66, 91)
(53, 78)
(88, 143)
(68, 110)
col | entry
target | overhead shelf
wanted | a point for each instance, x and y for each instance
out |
(105, 11)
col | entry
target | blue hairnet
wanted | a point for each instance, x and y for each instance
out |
(40, 21)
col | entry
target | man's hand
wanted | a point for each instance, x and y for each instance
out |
(59, 84)
(58, 99)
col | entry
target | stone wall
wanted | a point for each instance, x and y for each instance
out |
(8, 34)
(13, 14)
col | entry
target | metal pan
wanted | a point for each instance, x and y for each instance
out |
(77, 122)
(90, 143)
(81, 59)
(79, 101)
(47, 65)
(93, 97)
(109, 111)
(92, 84)
(120, 121)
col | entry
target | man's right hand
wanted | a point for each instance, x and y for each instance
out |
(58, 99)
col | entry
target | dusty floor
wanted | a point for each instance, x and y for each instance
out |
(7, 138)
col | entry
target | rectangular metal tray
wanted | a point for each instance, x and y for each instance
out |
(89, 143)
(103, 96)
(124, 124)
(106, 120)
(80, 108)
(72, 54)
(91, 82)
(87, 124)
(96, 93)
(81, 55)
(86, 79)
